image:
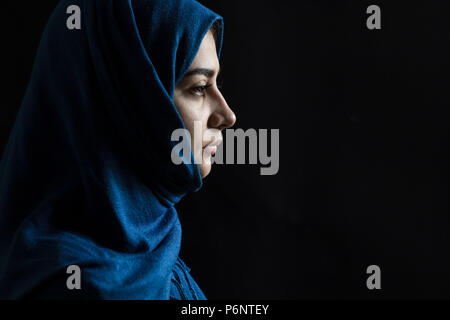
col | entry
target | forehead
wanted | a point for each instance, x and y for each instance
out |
(207, 54)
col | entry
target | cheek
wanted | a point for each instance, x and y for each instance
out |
(195, 118)
(189, 110)
(194, 124)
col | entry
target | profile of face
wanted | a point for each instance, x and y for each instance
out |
(201, 105)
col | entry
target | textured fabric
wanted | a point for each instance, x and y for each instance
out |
(183, 285)
(86, 178)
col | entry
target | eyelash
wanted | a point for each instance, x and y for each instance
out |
(200, 90)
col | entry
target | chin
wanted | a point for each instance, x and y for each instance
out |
(205, 169)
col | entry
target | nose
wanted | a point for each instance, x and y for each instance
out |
(222, 117)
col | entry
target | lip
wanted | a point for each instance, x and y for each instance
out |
(211, 148)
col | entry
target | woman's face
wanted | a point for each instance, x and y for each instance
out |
(201, 105)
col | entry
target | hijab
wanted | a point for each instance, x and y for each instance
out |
(86, 178)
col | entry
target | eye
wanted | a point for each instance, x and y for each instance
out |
(200, 90)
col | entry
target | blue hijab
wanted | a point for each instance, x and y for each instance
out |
(86, 178)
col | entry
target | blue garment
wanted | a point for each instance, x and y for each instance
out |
(86, 178)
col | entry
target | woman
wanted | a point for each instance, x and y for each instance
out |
(87, 177)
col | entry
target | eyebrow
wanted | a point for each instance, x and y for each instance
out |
(201, 71)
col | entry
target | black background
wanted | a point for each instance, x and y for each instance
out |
(363, 119)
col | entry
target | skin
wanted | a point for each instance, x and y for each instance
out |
(198, 98)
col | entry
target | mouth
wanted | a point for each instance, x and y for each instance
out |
(211, 148)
